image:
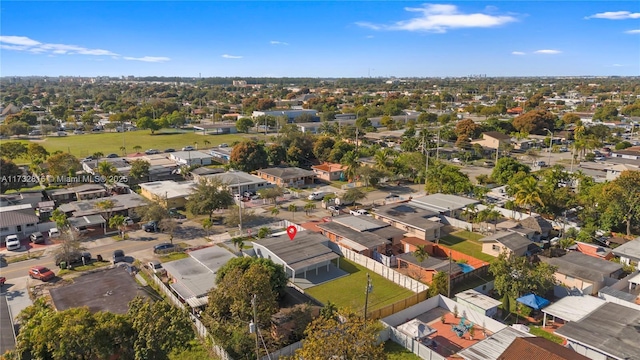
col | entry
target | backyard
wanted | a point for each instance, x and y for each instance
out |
(396, 351)
(110, 142)
(466, 242)
(349, 291)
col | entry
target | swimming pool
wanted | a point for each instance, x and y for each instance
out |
(466, 267)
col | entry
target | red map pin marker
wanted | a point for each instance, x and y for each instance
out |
(292, 231)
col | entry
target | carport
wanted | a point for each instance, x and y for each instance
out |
(89, 221)
(572, 308)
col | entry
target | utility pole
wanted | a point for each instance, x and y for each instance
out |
(366, 296)
(438, 146)
(253, 326)
(449, 277)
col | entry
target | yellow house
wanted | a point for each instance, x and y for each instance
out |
(169, 193)
(502, 241)
(493, 140)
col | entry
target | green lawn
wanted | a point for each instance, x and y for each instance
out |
(395, 351)
(87, 144)
(80, 268)
(173, 256)
(349, 291)
(535, 330)
(463, 241)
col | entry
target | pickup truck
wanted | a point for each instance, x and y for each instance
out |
(359, 212)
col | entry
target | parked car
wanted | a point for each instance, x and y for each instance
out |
(128, 221)
(2, 280)
(391, 197)
(456, 161)
(223, 145)
(188, 148)
(152, 152)
(169, 150)
(78, 132)
(359, 212)
(12, 242)
(41, 273)
(173, 212)
(540, 163)
(54, 233)
(62, 133)
(156, 267)
(73, 257)
(37, 238)
(118, 256)
(163, 248)
(151, 226)
(335, 209)
(112, 156)
(35, 133)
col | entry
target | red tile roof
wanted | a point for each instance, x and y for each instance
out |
(536, 348)
(329, 167)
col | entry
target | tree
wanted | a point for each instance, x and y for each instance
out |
(350, 160)
(249, 156)
(606, 113)
(10, 176)
(421, 253)
(447, 179)
(207, 197)
(63, 164)
(12, 150)
(106, 205)
(527, 193)
(263, 232)
(275, 211)
(154, 211)
(276, 154)
(207, 224)
(516, 276)
(506, 168)
(271, 193)
(370, 176)
(14, 128)
(621, 201)
(244, 124)
(535, 122)
(139, 170)
(308, 207)
(467, 129)
(439, 284)
(169, 330)
(118, 222)
(322, 147)
(383, 159)
(107, 170)
(148, 123)
(570, 118)
(238, 242)
(293, 208)
(353, 195)
(37, 154)
(137, 148)
(347, 337)
(169, 226)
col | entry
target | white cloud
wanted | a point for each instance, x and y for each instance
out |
(517, 53)
(227, 56)
(548, 52)
(23, 43)
(275, 42)
(615, 15)
(632, 31)
(154, 59)
(439, 18)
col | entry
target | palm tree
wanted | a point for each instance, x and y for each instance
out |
(238, 242)
(381, 158)
(528, 194)
(308, 207)
(532, 154)
(565, 243)
(350, 160)
(293, 208)
(118, 222)
(124, 150)
(470, 212)
(195, 143)
(98, 155)
(107, 170)
(490, 214)
(421, 253)
(207, 143)
(137, 148)
(275, 211)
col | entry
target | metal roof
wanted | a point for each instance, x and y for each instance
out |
(583, 266)
(366, 239)
(169, 189)
(573, 308)
(407, 214)
(192, 279)
(88, 207)
(513, 241)
(442, 202)
(618, 294)
(232, 178)
(287, 172)
(305, 250)
(89, 220)
(212, 257)
(630, 249)
(492, 347)
(359, 223)
(475, 298)
(18, 217)
(611, 329)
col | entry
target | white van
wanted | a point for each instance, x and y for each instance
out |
(316, 195)
(12, 242)
(54, 233)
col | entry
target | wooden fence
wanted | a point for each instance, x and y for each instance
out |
(397, 306)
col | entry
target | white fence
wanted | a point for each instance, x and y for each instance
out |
(413, 345)
(456, 223)
(388, 273)
(202, 330)
(285, 351)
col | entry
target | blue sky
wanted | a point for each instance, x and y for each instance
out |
(320, 39)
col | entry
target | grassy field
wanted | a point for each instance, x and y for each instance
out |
(87, 144)
(77, 269)
(464, 242)
(395, 351)
(349, 291)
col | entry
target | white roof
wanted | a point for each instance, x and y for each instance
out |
(477, 299)
(169, 189)
(492, 347)
(573, 308)
(416, 329)
(635, 279)
(442, 202)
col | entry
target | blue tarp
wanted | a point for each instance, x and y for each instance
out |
(533, 301)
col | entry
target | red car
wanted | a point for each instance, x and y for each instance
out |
(2, 280)
(41, 273)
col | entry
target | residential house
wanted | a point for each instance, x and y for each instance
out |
(629, 252)
(608, 333)
(539, 225)
(160, 166)
(169, 193)
(308, 252)
(221, 154)
(530, 348)
(216, 128)
(614, 171)
(505, 241)
(121, 165)
(76, 193)
(481, 303)
(493, 140)
(190, 158)
(329, 171)
(18, 220)
(445, 204)
(632, 153)
(239, 182)
(424, 269)
(593, 250)
(287, 176)
(361, 234)
(583, 272)
(124, 205)
(415, 221)
(199, 174)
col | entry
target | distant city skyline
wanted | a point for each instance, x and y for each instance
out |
(320, 39)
